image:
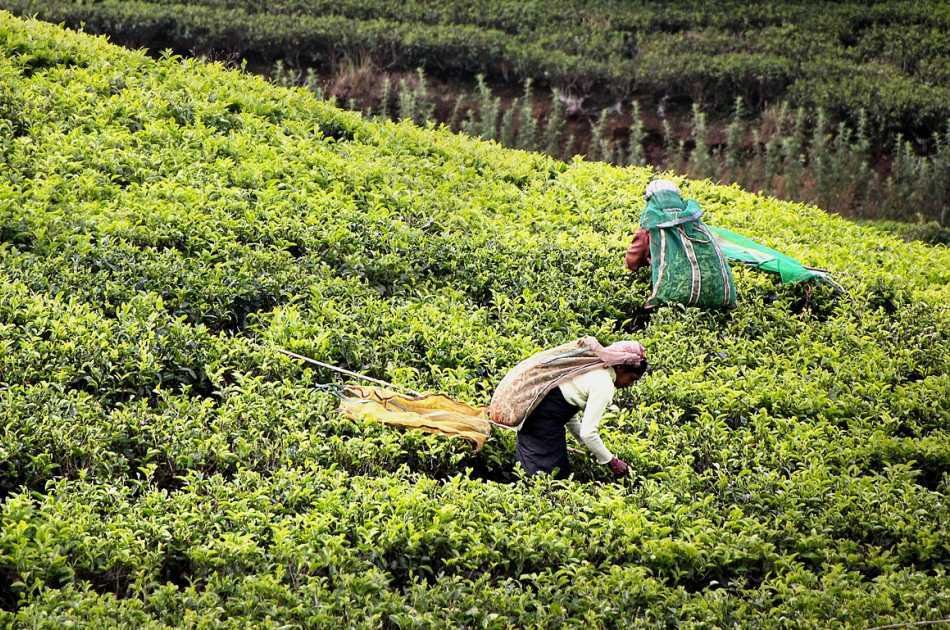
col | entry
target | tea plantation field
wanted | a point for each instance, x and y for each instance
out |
(165, 225)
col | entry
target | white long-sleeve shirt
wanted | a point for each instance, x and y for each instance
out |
(592, 392)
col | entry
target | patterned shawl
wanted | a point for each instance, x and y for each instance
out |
(526, 385)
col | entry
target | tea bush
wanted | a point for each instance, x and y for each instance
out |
(165, 224)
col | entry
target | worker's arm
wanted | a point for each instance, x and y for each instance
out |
(574, 425)
(638, 254)
(600, 392)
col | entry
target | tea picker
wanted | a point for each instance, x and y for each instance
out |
(689, 260)
(547, 392)
(687, 265)
(567, 387)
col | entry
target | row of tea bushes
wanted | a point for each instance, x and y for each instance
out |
(888, 58)
(309, 545)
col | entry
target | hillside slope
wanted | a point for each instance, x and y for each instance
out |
(163, 224)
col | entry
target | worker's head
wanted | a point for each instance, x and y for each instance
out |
(627, 374)
(660, 184)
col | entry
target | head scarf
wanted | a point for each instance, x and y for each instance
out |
(660, 184)
(619, 353)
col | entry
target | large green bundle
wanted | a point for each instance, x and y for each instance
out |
(688, 266)
(745, 250)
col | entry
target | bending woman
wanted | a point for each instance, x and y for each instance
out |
(567, 388)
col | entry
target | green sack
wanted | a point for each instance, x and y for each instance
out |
(743, 249)
(688, 266)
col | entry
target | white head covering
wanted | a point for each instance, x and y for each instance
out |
(660, 184)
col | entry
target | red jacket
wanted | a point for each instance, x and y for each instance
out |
(638, 254)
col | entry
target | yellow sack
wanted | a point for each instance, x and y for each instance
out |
(432, 413)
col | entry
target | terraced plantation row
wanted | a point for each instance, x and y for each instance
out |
(165, 224)
(842, 105)
(887, 58)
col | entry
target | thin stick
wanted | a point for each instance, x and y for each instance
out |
(348, 372)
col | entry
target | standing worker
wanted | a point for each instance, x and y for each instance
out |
(567, 386)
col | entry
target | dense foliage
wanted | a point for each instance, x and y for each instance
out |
(889, 58)
(163, 224)
(841, 105)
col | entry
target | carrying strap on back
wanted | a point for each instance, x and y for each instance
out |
(526, 385)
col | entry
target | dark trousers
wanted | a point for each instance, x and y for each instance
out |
(542, 440)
